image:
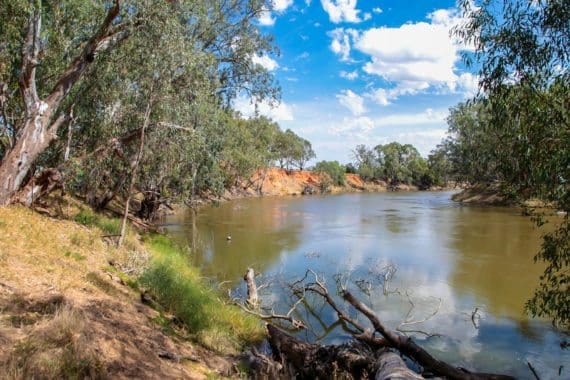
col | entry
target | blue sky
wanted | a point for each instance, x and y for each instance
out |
(364, 72)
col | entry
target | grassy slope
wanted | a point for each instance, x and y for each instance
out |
(66, 311)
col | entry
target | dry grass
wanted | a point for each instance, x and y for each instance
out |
(55, 348)
(66, 313)
(36, 251)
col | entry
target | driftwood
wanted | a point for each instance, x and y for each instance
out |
(249, 279)
(409, 348)
(351, 360)
(368, 357)
(312, 361)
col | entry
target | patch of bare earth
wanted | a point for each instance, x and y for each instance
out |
(63, 315)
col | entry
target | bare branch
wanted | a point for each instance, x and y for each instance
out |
(409, 348)
(295, 323)
(408, 321)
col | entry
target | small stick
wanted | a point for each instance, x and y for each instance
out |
(533, 371)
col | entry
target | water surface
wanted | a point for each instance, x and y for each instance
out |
(450, 260)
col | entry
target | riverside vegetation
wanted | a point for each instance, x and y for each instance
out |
(90, 92)
(71, 303)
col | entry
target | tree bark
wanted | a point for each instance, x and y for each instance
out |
(41, 123)
(252, 298)
(135, 167)
(311, 361)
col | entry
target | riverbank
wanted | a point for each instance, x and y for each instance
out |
(72, 305)
(280, 182)
(483, 194)
(492, 195)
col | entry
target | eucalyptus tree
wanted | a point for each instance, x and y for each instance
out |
(440, 169)
(292, 150)
(522, 48)
(54, 52)
(366, 162)
(306, 154)
(400, 163)
(333, 170)
(251, 147)
(472, 144)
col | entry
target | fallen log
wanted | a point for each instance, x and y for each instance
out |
(351, 360)
(366, 357)
(409, 348)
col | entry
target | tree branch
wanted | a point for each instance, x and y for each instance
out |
(30, 52)
(409, 348)
(105, 36)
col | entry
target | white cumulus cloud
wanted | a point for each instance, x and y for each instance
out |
(281, 5)
(412, 58)
(358, 125)
(419, 53)
(249, 109)
(340, 43)
(380, 96)
(341, 10)
(352, 101)
(350, 75)
(265, 61)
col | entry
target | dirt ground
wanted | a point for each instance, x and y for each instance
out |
(65, 313)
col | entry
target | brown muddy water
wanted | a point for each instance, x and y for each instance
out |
(462, 273)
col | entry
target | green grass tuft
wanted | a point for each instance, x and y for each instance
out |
(110, 226)
(74, 255)
(178, 288)
(86, 217)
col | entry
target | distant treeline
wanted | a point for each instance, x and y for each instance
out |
(393, 163)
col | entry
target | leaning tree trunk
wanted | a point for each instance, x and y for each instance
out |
(135, 167)
(37, 134)
(41, 123)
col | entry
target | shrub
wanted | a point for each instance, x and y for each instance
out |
(333, 169)
(110, 226)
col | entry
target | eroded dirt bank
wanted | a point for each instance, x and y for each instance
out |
(280, 182)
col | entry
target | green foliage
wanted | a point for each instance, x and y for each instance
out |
(366, 162)
(86, 217)
(519, 122)
(183, 61)
(552, 298)
(333, 170)
(110, 226)
(180, 290)
(439, 166)
(350, 168)
(292, 150)
(400, 163)
(394, 163)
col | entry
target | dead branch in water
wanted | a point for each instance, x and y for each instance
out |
(409, 348)
(363, 358)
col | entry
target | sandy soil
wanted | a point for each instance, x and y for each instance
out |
(59, 296)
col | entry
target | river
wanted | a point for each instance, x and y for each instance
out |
(462, 273)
